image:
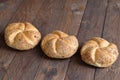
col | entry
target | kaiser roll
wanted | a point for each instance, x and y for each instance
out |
(99, 52)
(59, 45)
(22, 36)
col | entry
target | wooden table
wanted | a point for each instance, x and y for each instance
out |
(83, 18)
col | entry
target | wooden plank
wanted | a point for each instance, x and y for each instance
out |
(26, 12)
(7, 9)
(91, 26)
(62, 15)
(111, 33)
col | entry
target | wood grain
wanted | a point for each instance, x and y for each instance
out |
(111, 33)
(91, 26)
(26, 12)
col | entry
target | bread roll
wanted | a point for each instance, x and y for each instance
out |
(22, 36)
(99, 52)
(59, 45)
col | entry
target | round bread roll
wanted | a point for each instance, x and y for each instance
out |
(59, 45)
(22, 36)
(99, 52)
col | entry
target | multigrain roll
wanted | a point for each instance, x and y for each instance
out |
(22, 36)
(59, 45)
(99, 52)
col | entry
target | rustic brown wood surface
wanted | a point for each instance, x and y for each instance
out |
(83, 18)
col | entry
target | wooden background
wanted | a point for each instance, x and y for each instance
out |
(83, 18)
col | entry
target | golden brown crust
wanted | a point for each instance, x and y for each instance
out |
(59, 45)
(99, 52)
(22, 36)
